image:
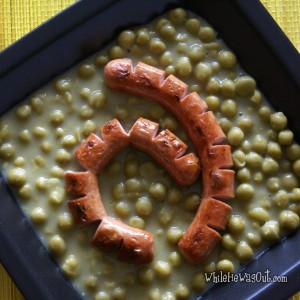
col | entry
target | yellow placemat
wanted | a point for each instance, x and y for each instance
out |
(18, 17)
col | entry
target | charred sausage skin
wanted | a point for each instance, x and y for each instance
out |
(205, 133)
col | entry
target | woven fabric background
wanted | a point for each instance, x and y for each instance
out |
(18, 17)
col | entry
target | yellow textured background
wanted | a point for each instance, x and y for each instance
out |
(18, 17)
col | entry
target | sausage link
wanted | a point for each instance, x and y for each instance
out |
(131, 244)
(200, 238)
(94, 153)
(89, 208)
(204, 132)
(167, 150)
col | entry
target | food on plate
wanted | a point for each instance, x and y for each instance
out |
(39, 137)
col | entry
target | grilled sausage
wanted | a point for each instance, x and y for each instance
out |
(205, 133)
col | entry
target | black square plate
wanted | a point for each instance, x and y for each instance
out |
(262, 50)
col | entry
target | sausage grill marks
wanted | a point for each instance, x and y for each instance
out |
(205, 133)
(167, 149)
(131, 244)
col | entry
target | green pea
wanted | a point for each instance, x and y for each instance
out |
(25, 192)
(192, 25)
(274, 150)
(65, 221)
(162, 269)
(122, 209)
(136, 222)
(157, 46)
(182, 292)
(174, 234)
(126, 38)
(57, 245)
(259, 144)
(102, 295)
(244, 192)
(57, 196)
(235, 136)
(212, 102)
(198, 281)
(97, 99)
(202, 72)
(62, 157)
(243, 251)
(86, 112)
(281, 199)
(289, 181)
(168, 32)
(292, 152)
(278, 121)
(143, 206)
(243, 175)
(7, 151)
(254, 160)
(17, 177)
(192, 202)
(38, 215)
(225, 124)
(270, 166)
(23, 112)
(175, 259)
(165, 216)
(229, 108)
(177, 16)
(236, 224)
(116, 52)
(86, 70)
(264, 113)
(174, 196)
(206, 34)
(227, 88)
(101, 60)
(169, 123)
(225, 266)
(228, 242)
(196, 53)
(213, 86)
(259, 214)
(289, 220)
(285, 137)
(245, 86)
(270, 230)
(145, 275)
(19, 161)
(254, 239)
(256, 98)
(40, 132)
(57, 117)
(166, 58)
(273, 184)
(143, 37)
(239, 158)
(296, 167)
(62, 85)
(183, 66)
(227, 59)
(71, 266)
(37, 104)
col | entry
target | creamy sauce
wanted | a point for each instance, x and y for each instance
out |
(99, 275)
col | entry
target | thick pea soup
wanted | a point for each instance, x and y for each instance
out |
(39, 137)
